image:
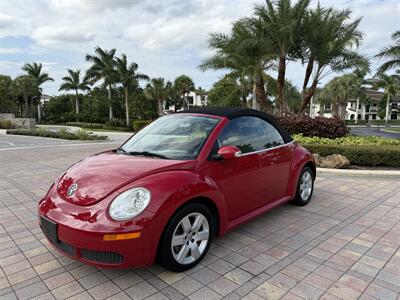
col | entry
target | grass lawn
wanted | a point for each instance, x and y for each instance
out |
(107, 130)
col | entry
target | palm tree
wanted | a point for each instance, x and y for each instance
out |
(74, 83)
(184, 84)
(391, 52)
(27, 87)
(391, 85)
(158, 90)
(330, 48)
(35, 70)
(245, 53)
(282, 23)
(103, 68)
(129, 78)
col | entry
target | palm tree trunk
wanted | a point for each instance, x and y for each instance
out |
(387, 109)
(358, 104)
(76, 105)
(110, 110)
(26, 109)
(281, 84)
(127, 107)
(307, 76)
(335, 110)
(254, 104)
(261, 97)
(160, 103)
(307, 97)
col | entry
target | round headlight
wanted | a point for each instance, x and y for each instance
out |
(129, 204)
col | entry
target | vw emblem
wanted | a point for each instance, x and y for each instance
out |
(72, 189)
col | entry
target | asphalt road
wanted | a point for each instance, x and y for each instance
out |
(373, 131)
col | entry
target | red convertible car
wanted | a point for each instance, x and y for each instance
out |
(174, 186)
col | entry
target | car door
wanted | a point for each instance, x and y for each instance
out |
(241, 179)
(281, 156)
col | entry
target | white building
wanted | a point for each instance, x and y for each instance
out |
(366, 111)
(195, 98)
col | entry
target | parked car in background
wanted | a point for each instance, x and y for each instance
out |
(174, 186)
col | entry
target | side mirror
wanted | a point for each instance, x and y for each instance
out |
(228, 152)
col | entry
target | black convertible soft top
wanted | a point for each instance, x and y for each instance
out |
(234, 112)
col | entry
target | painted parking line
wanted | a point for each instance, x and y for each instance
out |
(9, 143)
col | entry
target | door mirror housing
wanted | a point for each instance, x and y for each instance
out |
(228, 152)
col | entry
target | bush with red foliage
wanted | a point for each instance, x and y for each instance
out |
(318, 126)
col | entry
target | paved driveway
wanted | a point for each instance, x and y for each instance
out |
(344, 244)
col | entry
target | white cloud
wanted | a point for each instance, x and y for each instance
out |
(166, 38)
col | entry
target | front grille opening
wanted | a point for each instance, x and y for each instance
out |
(102, 256)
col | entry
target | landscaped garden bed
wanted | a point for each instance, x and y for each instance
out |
(362, 151)
(81, 134)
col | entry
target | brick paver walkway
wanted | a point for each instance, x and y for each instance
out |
(344, 244)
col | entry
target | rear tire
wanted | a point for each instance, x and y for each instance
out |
(305, 187)
(186, 238)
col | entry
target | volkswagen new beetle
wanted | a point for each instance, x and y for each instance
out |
(174, 186)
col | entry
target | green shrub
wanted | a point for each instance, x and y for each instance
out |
(318, 126)
(5, 124)
(58, 135)
(86, 125)
(346, 140)
(41, 131)
(368, 155)
(139, 124)
(82, 134)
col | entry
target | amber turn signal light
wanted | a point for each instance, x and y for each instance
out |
(121, 236)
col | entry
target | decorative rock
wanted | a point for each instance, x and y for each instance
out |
(334, 161)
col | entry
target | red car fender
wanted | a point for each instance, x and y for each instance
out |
(301, 157)
(170, 190)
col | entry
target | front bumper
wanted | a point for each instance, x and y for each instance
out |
(78, 231)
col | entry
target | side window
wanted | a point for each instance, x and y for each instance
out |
(247, 133)
(274, 138)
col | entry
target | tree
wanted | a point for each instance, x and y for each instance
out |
(391, 86)
(225, 92)
(35, 70)
(26, 86)
(391, 52)
(282, 23)
(74, 83)
(329, 44)
(103, 68)
(184, 84)
(158, 90)
(246, 54)
(7, 103)
(129, 78)
(339, 91)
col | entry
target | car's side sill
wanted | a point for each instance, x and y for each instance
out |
(259, 211)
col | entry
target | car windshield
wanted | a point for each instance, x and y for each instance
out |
(175, 136)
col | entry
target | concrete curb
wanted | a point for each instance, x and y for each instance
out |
(3, 131)
(367, 173)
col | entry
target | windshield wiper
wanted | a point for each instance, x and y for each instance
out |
(120, 149)
(147, 153)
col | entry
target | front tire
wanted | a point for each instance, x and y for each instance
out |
(186, 238)
(305, 187)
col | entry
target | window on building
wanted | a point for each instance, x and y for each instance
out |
(190, 100)
(373, 117)
(203, 98)
(393, 116)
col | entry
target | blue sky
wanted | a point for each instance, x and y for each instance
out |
(166, 39)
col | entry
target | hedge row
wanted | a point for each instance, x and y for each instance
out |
(388, 156)
(5, 124)
(318, 126)
(97, 126)
(58, 135)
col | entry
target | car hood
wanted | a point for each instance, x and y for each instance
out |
(95, 177)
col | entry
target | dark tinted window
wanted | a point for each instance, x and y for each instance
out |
(250, 134)
(274, 138)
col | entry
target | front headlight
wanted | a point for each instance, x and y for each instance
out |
(129, 204)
